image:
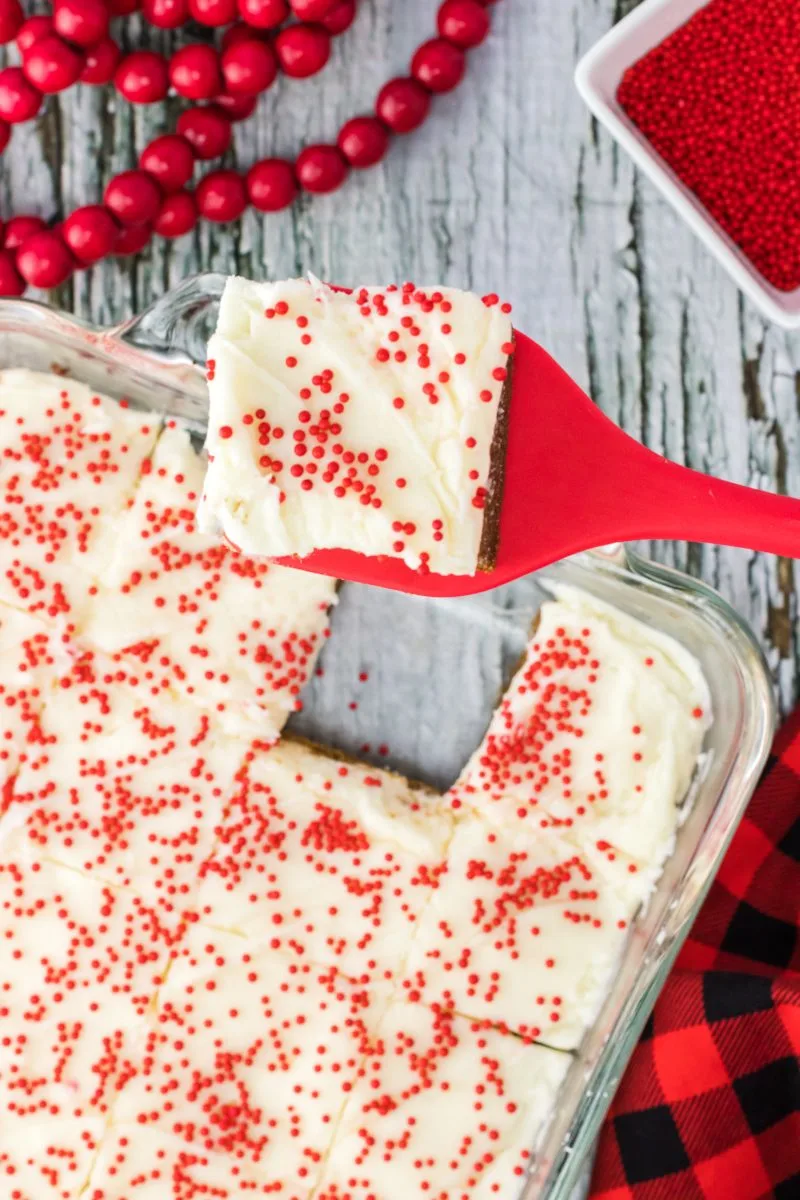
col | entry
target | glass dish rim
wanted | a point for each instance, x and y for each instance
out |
(557, 1175)
(161, 340)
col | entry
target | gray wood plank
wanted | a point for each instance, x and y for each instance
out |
(508, 186)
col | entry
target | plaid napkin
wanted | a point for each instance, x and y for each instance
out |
(709, 1108)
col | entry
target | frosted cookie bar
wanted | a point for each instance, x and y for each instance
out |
(236, 636)
(371, 421)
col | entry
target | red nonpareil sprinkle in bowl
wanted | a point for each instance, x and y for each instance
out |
(719, 100)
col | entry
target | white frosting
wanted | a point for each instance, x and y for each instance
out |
(30, 654)
(71, 1144)
(339, 860)
(224, 964)
(122, 785)
(70, 942)
(259, 1052)
(442, 1108)
(98, 535)
(258, 363)
(525, 933)
(235, 636)
(594, 682)
(70, 463)
(566, 812)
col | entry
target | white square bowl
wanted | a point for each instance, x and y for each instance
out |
(598, 76)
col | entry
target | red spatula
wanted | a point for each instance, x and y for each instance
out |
(573, 481)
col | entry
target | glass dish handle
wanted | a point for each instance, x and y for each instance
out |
(178, 324)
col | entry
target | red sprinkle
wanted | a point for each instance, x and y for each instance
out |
(720, 102)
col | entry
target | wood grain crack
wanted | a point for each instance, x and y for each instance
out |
(638, 270)
(756, 409)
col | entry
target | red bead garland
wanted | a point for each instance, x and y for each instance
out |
(403, 104)
(44, 260)
(170, 161)
(439, 65)
(31, 30)
(18, 229)
(207, 130)
(11, 17)
(303, 49)
(11, 282)
(142, 77)
(465, 23)
(194, 72)
(236, 108)
(74, 45)
(249, 67)
(263, 14)
(133, 239)
(166, 14)
(82, 22)
(363, 141)
(340, 17)
(90, 232)
(101, 62)
(213, 13)
(221, 196)
(51, 65)
(311, 10)
(177, 215)
(236, 33)
(321, 168)
(133, 197)
(19, 99)
(271, 184)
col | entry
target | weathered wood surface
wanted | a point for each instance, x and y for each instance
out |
(509, 186)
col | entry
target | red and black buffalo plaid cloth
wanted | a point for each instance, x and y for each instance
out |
(709, 1108)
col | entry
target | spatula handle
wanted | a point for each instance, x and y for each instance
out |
(677, 503)
(574, 480)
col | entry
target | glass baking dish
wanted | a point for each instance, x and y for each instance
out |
(435, 669)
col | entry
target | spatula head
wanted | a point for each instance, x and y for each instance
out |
(542, 514)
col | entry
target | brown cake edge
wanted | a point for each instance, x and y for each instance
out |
(490, 533)
(333, 754)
